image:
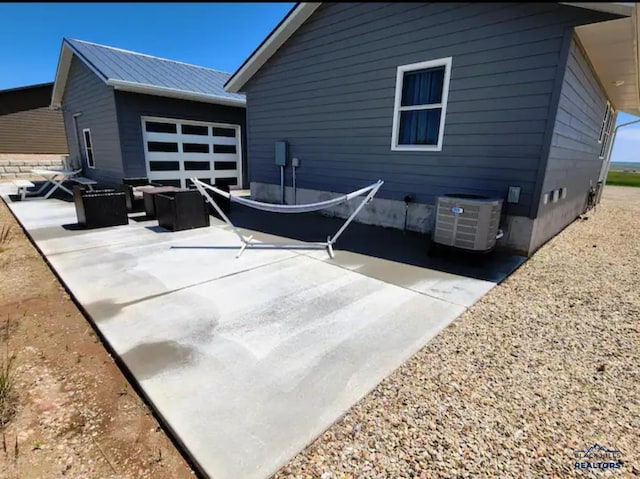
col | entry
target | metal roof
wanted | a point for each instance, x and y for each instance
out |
(137, 72)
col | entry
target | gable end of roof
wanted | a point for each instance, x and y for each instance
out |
(287, 27)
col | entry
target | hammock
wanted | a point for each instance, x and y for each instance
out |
(274, 208)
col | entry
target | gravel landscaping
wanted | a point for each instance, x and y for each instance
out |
(545, 364)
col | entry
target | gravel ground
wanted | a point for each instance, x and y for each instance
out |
(545, 364)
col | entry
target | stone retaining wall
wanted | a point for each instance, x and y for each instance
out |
(20, 165)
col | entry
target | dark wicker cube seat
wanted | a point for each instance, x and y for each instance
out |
(181, 210)
(100, 208)
(135, 202)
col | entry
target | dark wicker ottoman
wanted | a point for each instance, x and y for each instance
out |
(181, 210)
(133, 196)
(148, 195)
(100, 208)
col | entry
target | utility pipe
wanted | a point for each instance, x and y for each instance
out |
(607, 163)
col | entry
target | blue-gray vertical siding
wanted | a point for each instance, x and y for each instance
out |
(329, 91)
(574, 161)
(87, 94)
(132, 106)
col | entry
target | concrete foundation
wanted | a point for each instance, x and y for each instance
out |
(391, 213)
(380, 212)
(549, 225)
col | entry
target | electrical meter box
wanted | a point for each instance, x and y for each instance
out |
(281, 153)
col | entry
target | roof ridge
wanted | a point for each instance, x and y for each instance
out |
(149, 56)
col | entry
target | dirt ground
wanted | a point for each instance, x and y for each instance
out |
(77, 416)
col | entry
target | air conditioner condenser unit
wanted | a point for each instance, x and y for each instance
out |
(469, 222)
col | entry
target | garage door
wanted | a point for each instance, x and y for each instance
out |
(176, 150)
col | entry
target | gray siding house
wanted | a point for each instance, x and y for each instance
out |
(127, 114)
(438, 98)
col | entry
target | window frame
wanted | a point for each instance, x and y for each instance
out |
(91, 164)
(607, 131)
(605, 118)
(398, 108)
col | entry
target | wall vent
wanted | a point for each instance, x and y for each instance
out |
(469, 222)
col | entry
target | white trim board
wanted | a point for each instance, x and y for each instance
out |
(173, 93)
(274, 41)
(397, 108)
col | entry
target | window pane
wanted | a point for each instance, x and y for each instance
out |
(164, 166)
(419, 127)
(197, 165)
(224, 148)
(605, 119)
(224, 132)
(90, 157)
(156, 127)
(162, 146)
(195, 130)
(225, 165)
(87, 139)
(423, 87)
(226, 181)
(190, 184)
(195, 148)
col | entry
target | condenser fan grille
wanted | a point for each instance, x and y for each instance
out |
(467, 222)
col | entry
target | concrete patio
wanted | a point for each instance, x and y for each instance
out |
(248, 360)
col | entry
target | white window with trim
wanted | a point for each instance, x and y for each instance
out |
(420, 108)
(606, 130)
(88, 147)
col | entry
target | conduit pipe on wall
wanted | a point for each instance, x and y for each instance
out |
(295, 163)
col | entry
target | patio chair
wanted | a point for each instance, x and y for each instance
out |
(135, 202)
(100, 208)
(181, 210)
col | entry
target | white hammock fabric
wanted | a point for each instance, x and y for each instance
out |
(274, 208)
(307, 208)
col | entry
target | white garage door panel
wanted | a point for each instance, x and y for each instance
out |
(208, 151)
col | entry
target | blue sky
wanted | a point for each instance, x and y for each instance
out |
(216, 35)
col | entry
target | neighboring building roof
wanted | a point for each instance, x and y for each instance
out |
(24, 98)
(606, 65)
(140, 73)
(27, 124)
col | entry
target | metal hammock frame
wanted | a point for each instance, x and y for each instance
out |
(247, 242)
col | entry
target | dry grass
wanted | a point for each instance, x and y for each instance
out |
(8, 396)
(5, 230)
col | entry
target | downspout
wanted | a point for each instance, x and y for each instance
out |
(606, 164)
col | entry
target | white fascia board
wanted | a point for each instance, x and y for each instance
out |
(619, 8)
(270, 46)
(173, 93)
(62, 73)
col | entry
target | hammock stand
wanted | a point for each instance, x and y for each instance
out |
(247, 242)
